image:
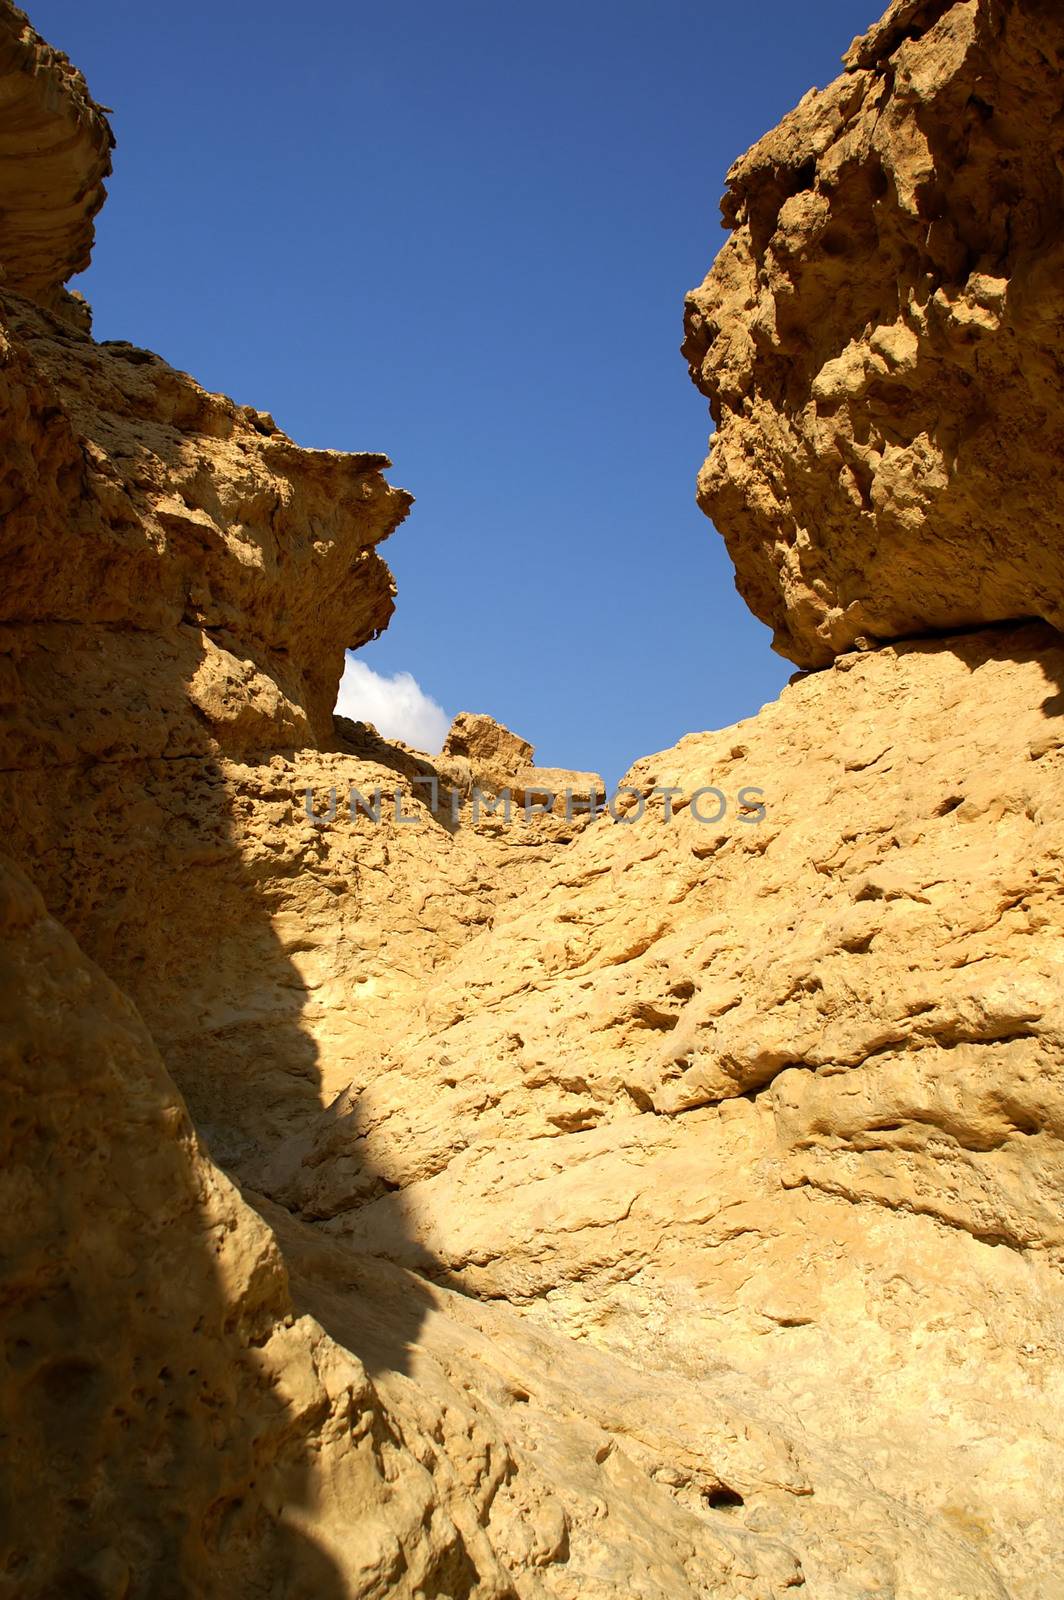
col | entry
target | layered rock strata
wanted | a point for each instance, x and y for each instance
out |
(55, 152)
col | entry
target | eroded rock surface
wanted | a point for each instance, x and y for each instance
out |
(666, 1206)
(171, 1426)
(55, 151)
(174, 553)
(176, 1425)
(880, 337)
(779, 1100)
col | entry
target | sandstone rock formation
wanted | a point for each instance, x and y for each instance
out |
(478, 738)
(175, 1426)
(778, 1105)
(56, 152)
(663, 1202)
(880, 338)
(162, 1404)
(497, 761)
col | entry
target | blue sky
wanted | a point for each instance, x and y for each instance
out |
(462, 234)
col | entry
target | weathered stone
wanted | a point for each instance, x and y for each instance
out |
(783, 1095)
(171, 1424)
(207, 559)
(487, 743)
(55, 150)
(664, 1202)
(879, 339)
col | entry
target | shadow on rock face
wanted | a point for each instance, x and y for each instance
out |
(147, 1390)
(173, 564)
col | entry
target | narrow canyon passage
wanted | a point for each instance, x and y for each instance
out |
(562, 1206)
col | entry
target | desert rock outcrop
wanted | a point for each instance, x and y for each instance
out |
(175, 1425)
(778, 1099)
(56, 151)
(164, 1409)
(880, 338)
(662, 1201)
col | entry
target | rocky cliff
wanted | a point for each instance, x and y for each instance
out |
(880, 338)
(660, 1203)
(776, 1108)
(56, 150)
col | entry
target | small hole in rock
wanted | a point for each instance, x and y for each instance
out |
(724, 1499)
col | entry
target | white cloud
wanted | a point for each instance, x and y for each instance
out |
(398, 707)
